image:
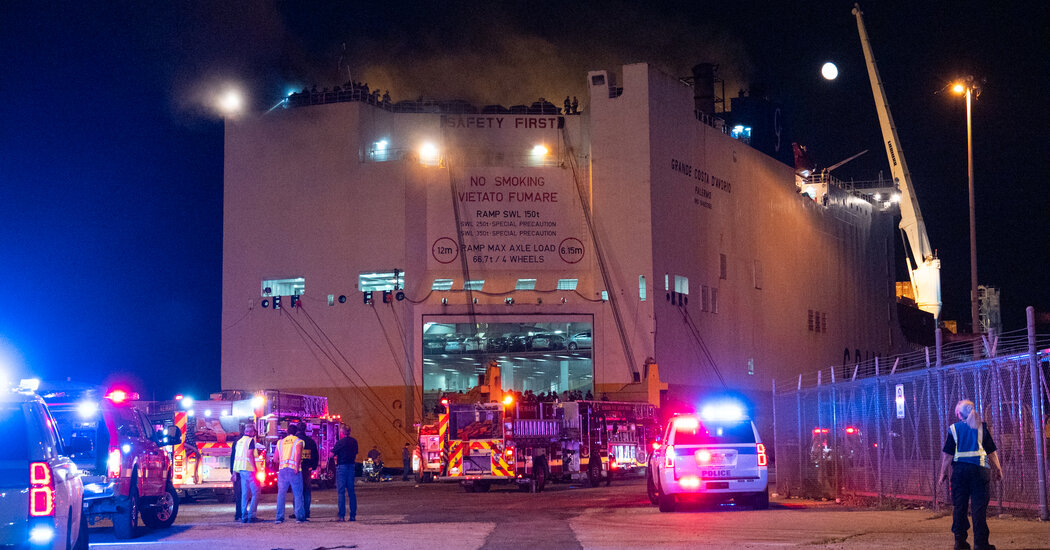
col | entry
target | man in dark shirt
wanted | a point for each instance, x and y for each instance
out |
(345, 453)
(309, 464)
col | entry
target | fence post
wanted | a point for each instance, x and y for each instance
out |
(939, 338)
(878, 429)
(930, 397)
(798, 420)
(1033, 374)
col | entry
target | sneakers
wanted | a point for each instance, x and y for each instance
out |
(278, 522)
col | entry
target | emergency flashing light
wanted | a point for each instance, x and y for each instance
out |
(87, 409)
(508, 400)
(178, 397)
(258, 401)
(444, 401)
(851, 430)
(30, 384)
(703, 456)
(539, 150)
(686, 423)
(724, 412)
(187, 402)
(117, 396)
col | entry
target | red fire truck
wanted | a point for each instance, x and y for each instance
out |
(201, 460)
(486, 437)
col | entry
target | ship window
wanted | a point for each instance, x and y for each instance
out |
(331, 299)
(714, 300)
(681, 284)
(751, 366)
(816, 321)
(474, 285)
(369, 281)
(598, 80)
(703, 298)
(525, 284)
(721, 266)
(824, 321)
(442, 284)
(641, 288)
(283, 287)
(809, 324)
(605, 295)
(667, 282)
(567, 284)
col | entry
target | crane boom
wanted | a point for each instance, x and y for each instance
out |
(924, 268)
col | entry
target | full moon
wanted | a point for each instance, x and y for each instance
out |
(829, 71)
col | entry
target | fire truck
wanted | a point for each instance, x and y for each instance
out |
(201, 460)
(487, 437)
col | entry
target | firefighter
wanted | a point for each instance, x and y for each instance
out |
(406, 462)
(310, 462)
(244, 453)
(289, 462)
(970, 452)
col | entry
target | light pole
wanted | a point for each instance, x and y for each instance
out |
(969, 87)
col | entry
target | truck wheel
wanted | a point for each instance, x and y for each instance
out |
(667, 503)
(761, 500)
(594, 470)
(539, 473)
(125, 519)
(162, 511)
(82, 533)
(651, 490)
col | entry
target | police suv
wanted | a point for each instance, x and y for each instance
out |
(717, 455)
(41, 491)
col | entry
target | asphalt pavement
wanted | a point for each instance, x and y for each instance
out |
(396, 515)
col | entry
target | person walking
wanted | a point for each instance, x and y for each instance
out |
(310, 461)
(406, 463)
(345, 452)
(969, 452)
(245, 451)
(289, 462)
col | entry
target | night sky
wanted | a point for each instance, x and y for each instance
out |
(111, 160)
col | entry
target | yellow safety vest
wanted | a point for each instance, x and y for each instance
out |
(974, 449)
(244, 455)
(290, 452)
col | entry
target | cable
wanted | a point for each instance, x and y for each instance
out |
(703, 347)
(374, 398)
(600, 256)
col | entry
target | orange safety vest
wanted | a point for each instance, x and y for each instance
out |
(244, 455)
(290, 452)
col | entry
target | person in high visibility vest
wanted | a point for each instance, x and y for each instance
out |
(289, 457)
(244, 453)
(970, 454)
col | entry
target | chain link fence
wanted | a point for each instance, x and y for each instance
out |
(881, 435)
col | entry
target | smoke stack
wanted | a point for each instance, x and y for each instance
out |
(704, 87)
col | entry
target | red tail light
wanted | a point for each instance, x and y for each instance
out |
(260, 476)
(113, 462)
(761, 454)
(669, 457)
(41, 490)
